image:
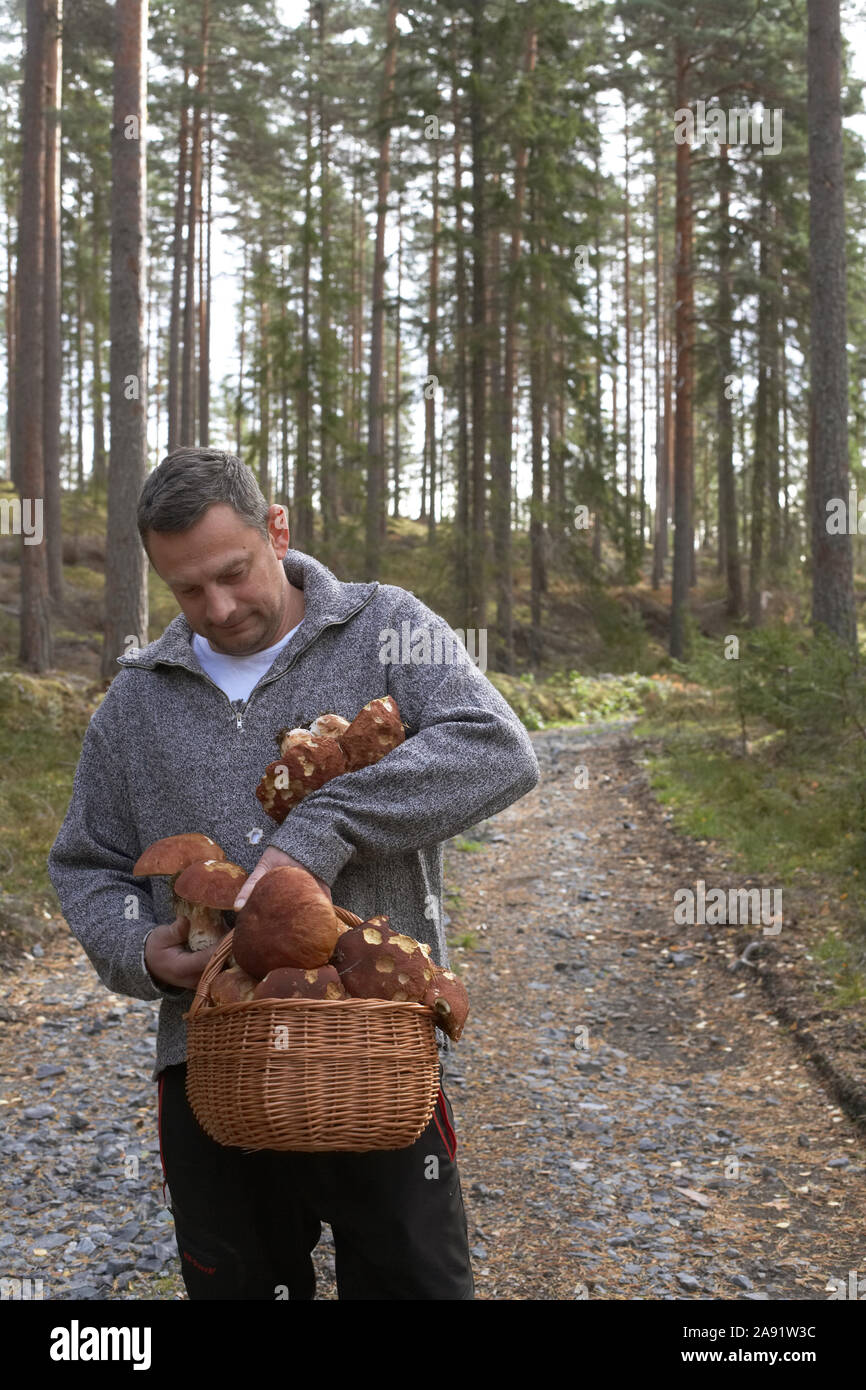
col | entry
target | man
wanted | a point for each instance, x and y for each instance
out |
(269, 638)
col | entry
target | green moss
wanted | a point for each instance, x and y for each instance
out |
(42, 724)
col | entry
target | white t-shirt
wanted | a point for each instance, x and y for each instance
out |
(237, 675)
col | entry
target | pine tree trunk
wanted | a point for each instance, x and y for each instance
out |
(500, 469)
(303, 512)
(461, 524)
(661, 517)
(126, 606)
(265, 394)
(728, 546)
(397, 331)
(642, 504)
(478, 339)
(502, 529)
(628, 548)
(774, 400)
(537, 326)
(51, 298)
(10, 454)
(762, 410)
(376, 397)
(35, 649)
(327, 384)
(242, 344)
(79, 346)
(100, 459)
(684, 298)
(598, 413)
(188, 392)
(176, 273)
(432, 385)
(204, 296)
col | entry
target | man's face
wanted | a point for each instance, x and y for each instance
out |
(228, 580)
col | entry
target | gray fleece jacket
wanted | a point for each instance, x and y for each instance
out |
(167, 752)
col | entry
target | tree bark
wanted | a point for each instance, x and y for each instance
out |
(684, 328)
(303, 510)
(176, 274)
(461, 523)
(188, 375)
(432, 385)
(762, 410)
(327, 364)
(52, 357)
(728, 545)
(376, 401)
(126, 605)
(478, 338)
(35, 649)
(204, 295)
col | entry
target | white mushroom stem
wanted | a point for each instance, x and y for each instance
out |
(206, 924)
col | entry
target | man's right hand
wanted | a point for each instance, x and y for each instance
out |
(168, 958)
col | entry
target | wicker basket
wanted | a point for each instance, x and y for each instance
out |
(310, 1075)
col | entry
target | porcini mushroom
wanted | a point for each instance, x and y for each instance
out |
(291, 983)
(375, 731)
(334, 725)
(446, 995)
(375, 963)
(232, 986)
(205, 890)
(287, 920)
(307, 761)
(169, 857)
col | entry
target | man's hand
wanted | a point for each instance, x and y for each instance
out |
(169, 959)
(272, 859)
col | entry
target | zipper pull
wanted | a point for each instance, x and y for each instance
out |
(239, 706)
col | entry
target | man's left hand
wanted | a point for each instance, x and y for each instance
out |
(273, 859)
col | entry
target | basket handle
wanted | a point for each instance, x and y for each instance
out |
(223, 951)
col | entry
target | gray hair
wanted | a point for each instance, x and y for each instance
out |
(178, 493)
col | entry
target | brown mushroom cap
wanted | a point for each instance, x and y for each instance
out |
(291, 983)
(287, 920)
(171, 855)
(374, 963)
(374, 731)
(447, 996)
(211, 883)
(233, 986)
(305, 766)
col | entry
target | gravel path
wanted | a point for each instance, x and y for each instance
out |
(631, 1121)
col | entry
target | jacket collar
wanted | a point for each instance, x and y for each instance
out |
(327, 601)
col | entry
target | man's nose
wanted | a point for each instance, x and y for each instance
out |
(220, 607)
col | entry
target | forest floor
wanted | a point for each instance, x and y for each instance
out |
(635, 1119)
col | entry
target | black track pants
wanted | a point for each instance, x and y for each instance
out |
(247, 1222)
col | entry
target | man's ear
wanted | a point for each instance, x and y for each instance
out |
(278, 529)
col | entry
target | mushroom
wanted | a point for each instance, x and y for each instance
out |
(168, 858)
(205, 890)
(334, 725)
(232, 986)
(307, 762)
(287, 920)
(289, 982)
(376, 963)
(446, 995)
(374, 731)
